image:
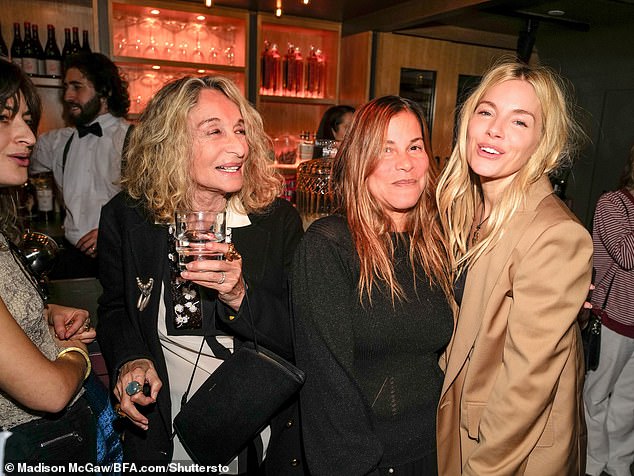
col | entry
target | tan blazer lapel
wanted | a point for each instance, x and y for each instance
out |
(481, 280)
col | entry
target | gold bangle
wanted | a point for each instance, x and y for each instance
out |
(83, 353)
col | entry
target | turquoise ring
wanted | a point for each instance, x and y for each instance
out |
(133, 388)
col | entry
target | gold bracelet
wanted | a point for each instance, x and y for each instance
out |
(83, 353)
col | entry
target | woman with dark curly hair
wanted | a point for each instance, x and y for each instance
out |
(43, 354)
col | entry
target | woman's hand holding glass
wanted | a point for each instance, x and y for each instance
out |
(224, 275)
(141, 371)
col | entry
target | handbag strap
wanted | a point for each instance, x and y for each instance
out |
(218, 349)
(607, 293)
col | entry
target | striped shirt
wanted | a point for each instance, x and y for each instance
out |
(613, 238)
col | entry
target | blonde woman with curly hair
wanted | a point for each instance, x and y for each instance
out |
(199, 146)
(511, 401)
(370, 302)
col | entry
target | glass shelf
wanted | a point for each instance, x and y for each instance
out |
(183, 36)
(144, 80)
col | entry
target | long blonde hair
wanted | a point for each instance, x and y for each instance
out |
(158, 157)
(369, 224)
(459, 190)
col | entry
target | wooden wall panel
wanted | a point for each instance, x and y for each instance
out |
(354, 80)
(448, 59)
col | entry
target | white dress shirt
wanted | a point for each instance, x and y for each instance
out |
(92, 172)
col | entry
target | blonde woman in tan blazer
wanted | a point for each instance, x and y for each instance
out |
(511, 400)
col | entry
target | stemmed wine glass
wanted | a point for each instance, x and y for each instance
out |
(152, 49)
(230, 54)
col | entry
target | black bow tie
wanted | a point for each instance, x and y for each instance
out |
(94, 128)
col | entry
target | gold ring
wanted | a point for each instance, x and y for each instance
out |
(118, 411)
(87, 324)
(231, 253)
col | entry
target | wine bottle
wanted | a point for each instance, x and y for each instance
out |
(29, 56)
(75, 46)
(52, 56)
(85, 45)
(39, 51)
(4, 51)
(68, 49)
(16, 45)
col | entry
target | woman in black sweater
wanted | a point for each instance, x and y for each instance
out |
(370, 297)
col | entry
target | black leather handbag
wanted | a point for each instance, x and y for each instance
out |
(591, 334)
(235, 403)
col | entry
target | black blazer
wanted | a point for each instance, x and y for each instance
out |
(131, 246)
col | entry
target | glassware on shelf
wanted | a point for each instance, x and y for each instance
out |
(152, 49)
(315, 73)
(270, 63)
(293, 71)
(229, 52)
(314, 198)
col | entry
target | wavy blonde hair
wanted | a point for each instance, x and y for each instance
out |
(369, 224)
(158, 157)
(459, 190)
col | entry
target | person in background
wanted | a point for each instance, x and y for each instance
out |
(511, 401)
(85, 159)
(370, 291)
(43, 354)
(335, 123)
(609, 390)
(199, 146)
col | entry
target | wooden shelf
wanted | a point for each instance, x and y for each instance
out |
(306, 112)
(296, 100)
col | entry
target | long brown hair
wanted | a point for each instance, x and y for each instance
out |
(369, 224)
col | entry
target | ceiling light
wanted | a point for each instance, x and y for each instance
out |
(200, 17)
(278, 8)
(209, 3)
(154, 11)
(200, 71)
(306, 2)
(156, 66)
(556, 13)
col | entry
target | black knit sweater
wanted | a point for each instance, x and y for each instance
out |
(373, 380)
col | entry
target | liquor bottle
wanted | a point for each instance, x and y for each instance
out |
(29, 55)
(85, 45)
(274, 68)
(16, 45)
(67, 50)
(264, 68)
(39, 51)
(315, 73)
(43, 183)
(75, 46)
(4, 51)
(52, 56)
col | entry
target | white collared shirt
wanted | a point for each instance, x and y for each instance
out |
(92, 172)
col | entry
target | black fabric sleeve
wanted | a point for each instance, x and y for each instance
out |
(268, 299)
(336, 424)
(119, 336)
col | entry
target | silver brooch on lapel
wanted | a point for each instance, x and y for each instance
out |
(146, 289)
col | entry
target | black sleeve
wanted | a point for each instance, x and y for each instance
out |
(119, 335)
(336, 424)
(268, 298)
